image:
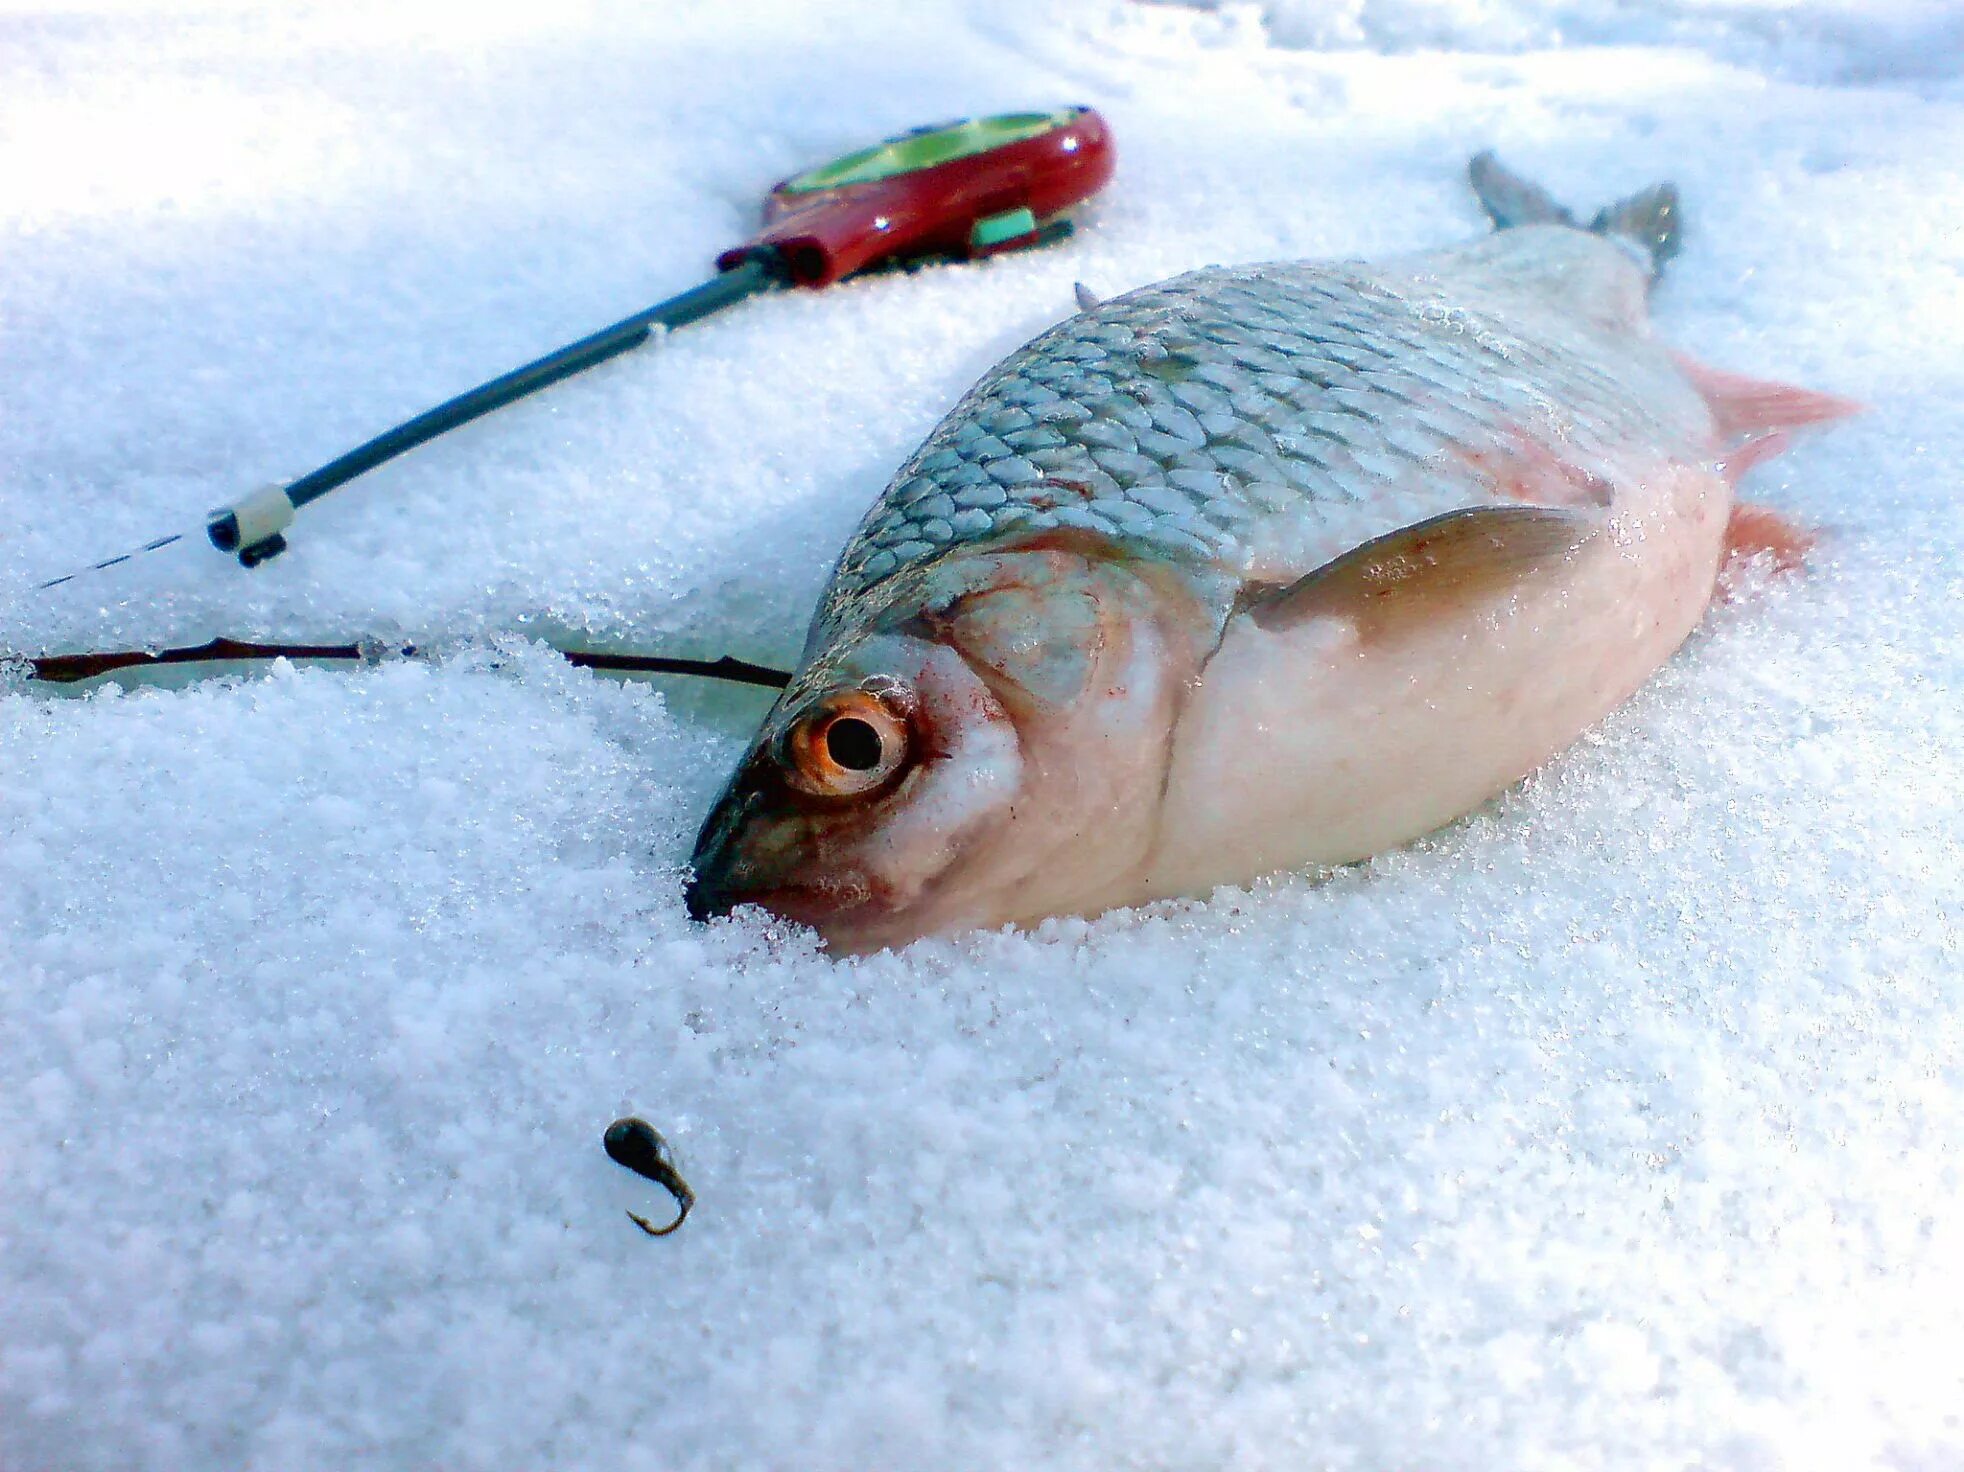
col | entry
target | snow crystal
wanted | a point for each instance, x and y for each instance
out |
(1617, 1126)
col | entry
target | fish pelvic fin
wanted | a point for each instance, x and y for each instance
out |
(1429, 570)
(1649, 222)
(1754, 419)
(1745, 407)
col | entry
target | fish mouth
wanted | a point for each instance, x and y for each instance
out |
(704, 901)
(822, 906)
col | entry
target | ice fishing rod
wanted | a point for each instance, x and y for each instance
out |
(954, 191)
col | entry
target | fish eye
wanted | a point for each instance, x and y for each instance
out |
(850, 744)
(853, 743)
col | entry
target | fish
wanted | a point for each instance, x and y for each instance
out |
(1260, 568)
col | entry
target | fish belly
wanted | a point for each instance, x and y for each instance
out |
(1320, 744)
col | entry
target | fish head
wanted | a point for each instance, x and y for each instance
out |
(979, 753)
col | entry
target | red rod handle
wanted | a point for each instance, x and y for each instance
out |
(969, 205)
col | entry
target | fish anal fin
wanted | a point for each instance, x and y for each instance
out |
(1430, 570)
(1753, 532)
(1751, 406)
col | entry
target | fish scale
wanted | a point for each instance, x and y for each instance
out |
(1179, 418)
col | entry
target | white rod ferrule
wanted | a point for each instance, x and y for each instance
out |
(265, 513)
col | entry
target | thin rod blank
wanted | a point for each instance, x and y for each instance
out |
(752, 276)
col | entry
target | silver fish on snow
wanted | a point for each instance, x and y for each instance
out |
(1259, 567)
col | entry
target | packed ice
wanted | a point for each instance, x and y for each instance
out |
(1617, 1126)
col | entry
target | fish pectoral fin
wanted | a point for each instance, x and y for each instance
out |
(1429, 570)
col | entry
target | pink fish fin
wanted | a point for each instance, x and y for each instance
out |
(1753, 532)
(1752, 406)
(1760, 448)
(1430, 570)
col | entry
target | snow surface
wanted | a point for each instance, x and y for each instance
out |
(1618, 1126)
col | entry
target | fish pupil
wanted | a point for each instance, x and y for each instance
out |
(853, 744)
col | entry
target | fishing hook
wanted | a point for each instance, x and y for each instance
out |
(637, 1145)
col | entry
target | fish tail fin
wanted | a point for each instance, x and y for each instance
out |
(1650, 221)
(1511, 200)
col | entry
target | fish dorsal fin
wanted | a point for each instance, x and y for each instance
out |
(1428, 570)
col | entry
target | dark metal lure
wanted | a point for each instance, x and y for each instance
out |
(637, 1145)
